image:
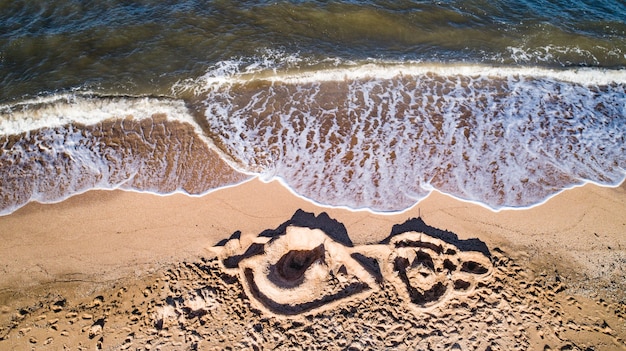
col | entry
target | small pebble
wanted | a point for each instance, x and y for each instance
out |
(95, 330)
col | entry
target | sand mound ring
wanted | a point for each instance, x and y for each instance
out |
(301, 270)
(427, 270)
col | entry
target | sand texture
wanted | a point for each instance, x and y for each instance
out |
(225, 271)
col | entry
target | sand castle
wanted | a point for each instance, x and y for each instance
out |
(299, 268)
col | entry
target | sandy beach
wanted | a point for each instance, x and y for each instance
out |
(168, 171)
(126, 270)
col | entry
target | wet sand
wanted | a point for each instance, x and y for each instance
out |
(114, 270)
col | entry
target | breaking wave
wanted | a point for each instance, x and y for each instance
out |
(383, 136)
(372, 135)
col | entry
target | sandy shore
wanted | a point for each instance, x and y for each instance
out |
(72, 270)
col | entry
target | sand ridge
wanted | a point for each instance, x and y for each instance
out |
(207, 303)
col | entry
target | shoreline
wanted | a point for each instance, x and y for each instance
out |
(94, 240)
(187, 225)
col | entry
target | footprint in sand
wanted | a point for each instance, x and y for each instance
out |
(299, 269)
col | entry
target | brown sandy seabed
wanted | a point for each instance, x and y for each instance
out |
(120, 270)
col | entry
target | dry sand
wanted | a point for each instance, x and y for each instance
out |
(122, 270)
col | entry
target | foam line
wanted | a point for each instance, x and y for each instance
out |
(58, 110)
(230, 72)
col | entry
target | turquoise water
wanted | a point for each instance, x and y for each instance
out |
(359, 104)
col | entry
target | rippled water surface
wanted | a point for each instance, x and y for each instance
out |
(359, 104)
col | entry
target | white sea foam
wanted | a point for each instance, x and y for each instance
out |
(59, 110)
(272, 69)
(56, 147)
(384, 136)
(584, 76)
(564, 55)
(375, 135)
(62, 109)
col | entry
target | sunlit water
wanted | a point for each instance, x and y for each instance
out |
(358, 104)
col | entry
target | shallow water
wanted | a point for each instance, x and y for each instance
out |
(357, 104)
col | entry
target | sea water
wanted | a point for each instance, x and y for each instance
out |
(366, 105)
